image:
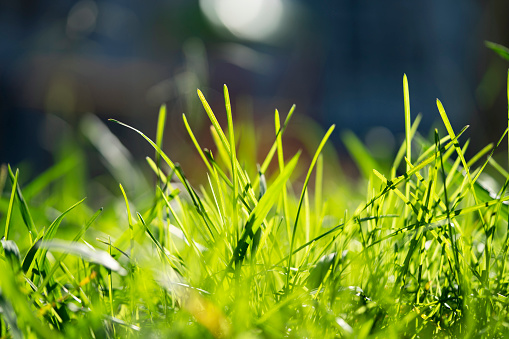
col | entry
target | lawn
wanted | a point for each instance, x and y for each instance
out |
(286, 249)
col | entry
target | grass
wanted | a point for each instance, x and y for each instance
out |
(286, 252)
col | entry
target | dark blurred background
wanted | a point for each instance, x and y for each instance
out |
(340, 62)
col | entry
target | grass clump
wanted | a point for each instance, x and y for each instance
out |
(425, 253)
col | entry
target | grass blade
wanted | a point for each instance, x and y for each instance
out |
(23, 208)
(311, 167)
(11, 203)
(86, 253)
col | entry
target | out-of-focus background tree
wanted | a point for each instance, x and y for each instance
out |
(340, 61)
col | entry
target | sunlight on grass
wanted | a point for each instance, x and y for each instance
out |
(281, 253)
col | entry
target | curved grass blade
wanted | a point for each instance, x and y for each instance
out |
(86, 253)
(308, 176)
(501, 50)
(233, 157)
(11, 203)
(40, 253)
(25, 211)
(281, 162)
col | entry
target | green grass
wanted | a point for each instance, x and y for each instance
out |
(288, 250)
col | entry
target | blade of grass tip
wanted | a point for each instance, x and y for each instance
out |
(306, 181)
(233, 157)
(272, 151)
(23, 208)
(508, 116)
(448, 126)
(244, 181)
(11, 204)
(408, 138)
(161, 120)
(391, 184)
(129, 220)
(281, 161)
(214, 121)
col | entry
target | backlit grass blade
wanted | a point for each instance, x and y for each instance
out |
(23, 208)
(408, 139)
(222, 142)
(273, 149)
(308, 176)
(450, 130)
(215, 123)
(11, 204)
(318, 192)
(161, 120)
(281, 162)
(233, 156)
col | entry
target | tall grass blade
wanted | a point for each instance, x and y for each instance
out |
(233, 157)
(308, 176)
(23, 208)
(408, 139)
(11, 204)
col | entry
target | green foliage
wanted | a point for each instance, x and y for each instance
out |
(424, 253)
